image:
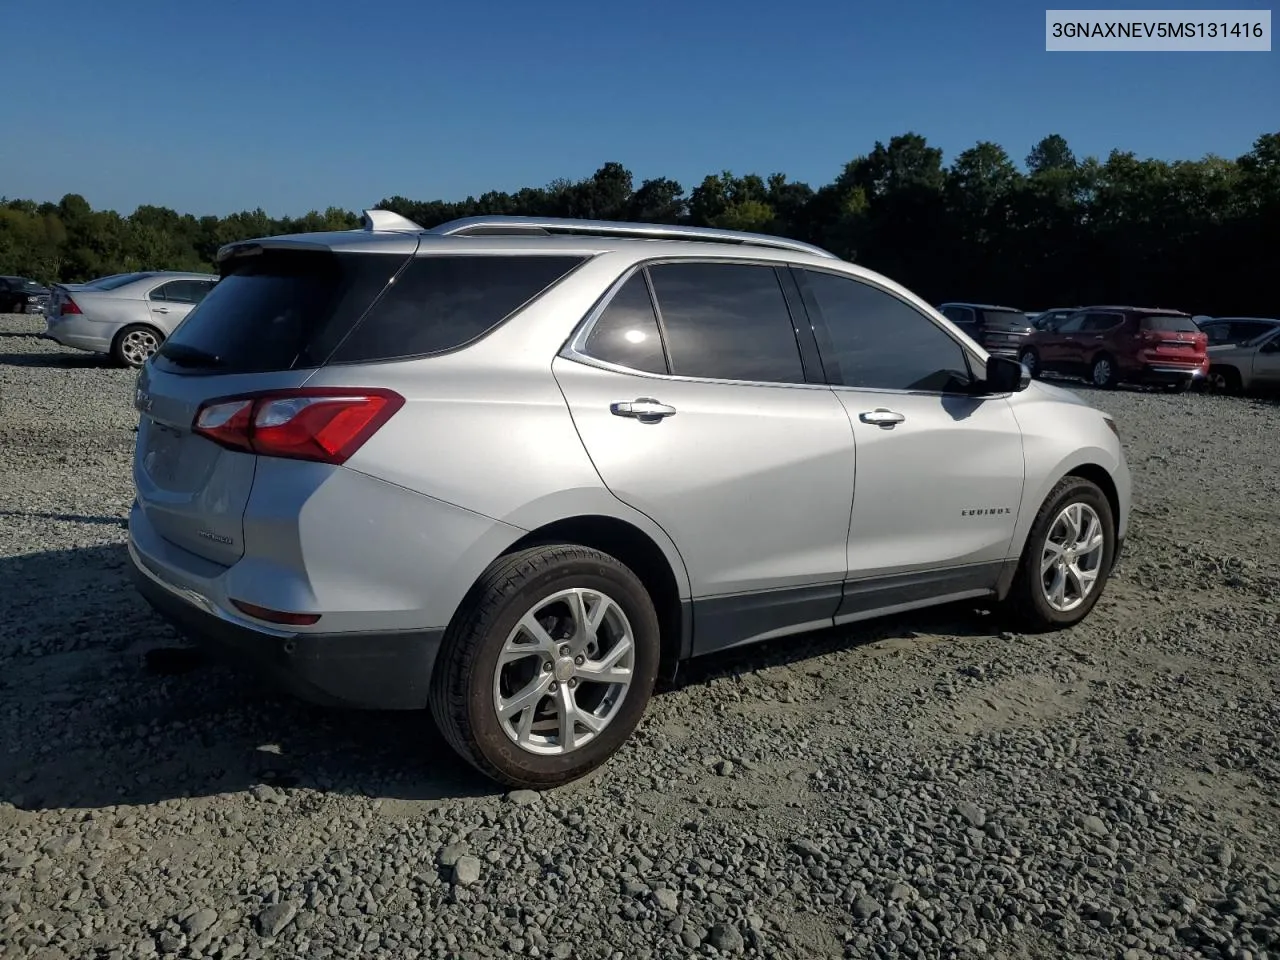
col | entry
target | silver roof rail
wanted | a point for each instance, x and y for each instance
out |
(546, 226)
(387, 221)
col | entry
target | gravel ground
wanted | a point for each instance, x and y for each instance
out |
(927, 786)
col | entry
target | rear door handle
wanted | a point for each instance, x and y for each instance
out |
(881, 417)
(159, 309)
(644, 409)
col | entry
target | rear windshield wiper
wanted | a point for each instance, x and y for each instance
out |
(186, 356)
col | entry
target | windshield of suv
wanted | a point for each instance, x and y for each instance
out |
(1173, 323)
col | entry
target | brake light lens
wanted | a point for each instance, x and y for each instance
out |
(69, 306)
(319, 424)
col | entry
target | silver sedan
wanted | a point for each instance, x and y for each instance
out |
(126, 315)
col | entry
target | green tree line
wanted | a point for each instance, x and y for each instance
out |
(1058, 231)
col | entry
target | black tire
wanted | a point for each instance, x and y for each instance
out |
(1026, 600)
(1105, 379)
(1030, 359)
(121, 351)
(1224, 380)
(462, 683)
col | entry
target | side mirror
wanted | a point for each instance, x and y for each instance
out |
(1006, 375)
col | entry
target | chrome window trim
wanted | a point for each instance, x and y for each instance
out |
(572, 349)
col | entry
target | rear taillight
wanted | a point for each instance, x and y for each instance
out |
(69, 306)
(312, 423)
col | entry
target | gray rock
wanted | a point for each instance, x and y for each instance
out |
(864, 908)
(276, 917)
(450, 854)
(466, 871)
(200, 921)
(666, 899)
(724, 768)
(524, 798)
(726, 938)
(973, 814)
(1095, 826)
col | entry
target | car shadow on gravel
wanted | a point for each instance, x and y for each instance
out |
(67, 360)
(103, 704)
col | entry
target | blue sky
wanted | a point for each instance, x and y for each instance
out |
(298, 104)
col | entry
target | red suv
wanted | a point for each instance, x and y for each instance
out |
(1111, 345)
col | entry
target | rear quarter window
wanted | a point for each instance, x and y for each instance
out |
(442, 302)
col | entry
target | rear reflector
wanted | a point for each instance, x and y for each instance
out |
(309, 423)
(276, 616)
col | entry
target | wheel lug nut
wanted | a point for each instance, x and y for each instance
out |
(579, 660)
(546, 666)
(553, 686)
(573, 682)
(564, 650)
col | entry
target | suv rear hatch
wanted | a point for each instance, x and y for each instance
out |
(1004, 331)
(271, 320)
(1173, 339)
(228, 386)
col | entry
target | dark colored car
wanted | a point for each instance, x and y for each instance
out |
(1112, 345)
(20, 295)
(998, 330)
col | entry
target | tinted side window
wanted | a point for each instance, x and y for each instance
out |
(1072, 324)
(880, 342)
(442, 302)
(626, 333)
(727, 321)
(180, 291)
(958, 314)
(1100, 322)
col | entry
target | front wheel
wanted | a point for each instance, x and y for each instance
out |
(1224, 380)
(548, 665)
(135, 345)
(1067, 557)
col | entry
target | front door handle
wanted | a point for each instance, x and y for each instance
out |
(644, 409)
(886, 419)
(159, 309)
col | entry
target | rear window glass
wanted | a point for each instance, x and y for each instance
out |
(441, 303)
(1174, 323)
(278, 310)
(118, 280)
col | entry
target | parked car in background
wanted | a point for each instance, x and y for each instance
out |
(1112, 345)
(20, 295)
(1238, 365)
(1047, 318)
(127, 315)
(510, 469)
(998, 330)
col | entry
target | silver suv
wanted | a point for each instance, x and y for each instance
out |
(513, 469)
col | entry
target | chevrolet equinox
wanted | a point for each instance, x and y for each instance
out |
(512, 469)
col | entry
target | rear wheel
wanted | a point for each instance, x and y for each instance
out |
(1103, 372)
(1067, 558)
(548, 665)
(1031, 360)
(1224, 380)
(135, 344)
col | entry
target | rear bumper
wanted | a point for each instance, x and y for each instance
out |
(374, 671)
(1171, 372)
(77, 332)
